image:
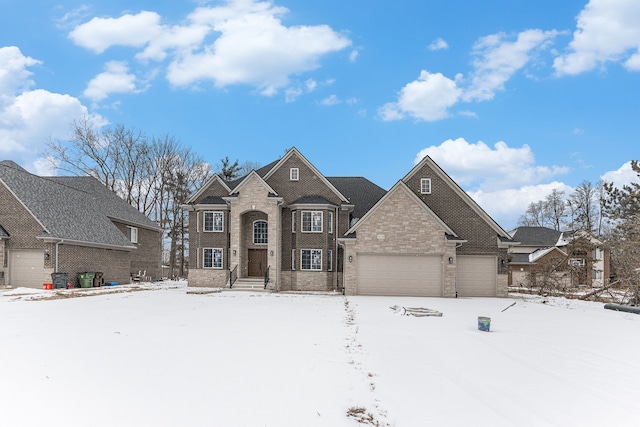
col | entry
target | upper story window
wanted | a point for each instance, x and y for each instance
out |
(294, 174)
(133, 234)
(312, 221)
(597, 254)
(260, 233)
(330, 223)
(213, 221)
(425, 185)
(293, 222)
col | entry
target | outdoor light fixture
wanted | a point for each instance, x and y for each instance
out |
(235, 252)
(450, 260)
(270, 253)
(47, 257)
(350, 258)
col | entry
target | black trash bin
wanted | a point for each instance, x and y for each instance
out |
(98, 280)
(59, 280)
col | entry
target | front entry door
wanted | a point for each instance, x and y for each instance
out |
(257, 262)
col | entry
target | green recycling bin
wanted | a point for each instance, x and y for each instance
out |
(86, 279)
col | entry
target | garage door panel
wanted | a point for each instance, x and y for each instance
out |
(26, 268)
(403, 275)
(476, 276)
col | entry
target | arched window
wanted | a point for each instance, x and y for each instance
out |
(260, 233)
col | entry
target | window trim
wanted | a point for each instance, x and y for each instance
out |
(266, 232)
(311, 229)
(293, 221)
(294, 174)
(213, 258)
(423, 182)
(311, 265)
(213, 221)
(330, 223)
(293, 259)
(330, 260)
(133, 234)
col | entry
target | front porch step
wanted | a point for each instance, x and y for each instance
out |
(254, 285)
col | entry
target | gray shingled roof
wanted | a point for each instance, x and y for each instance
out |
(517, 258)
(312, 199)
(536, 236)
(360, 191)
(3, 233)
(73, 208)
(212, 200)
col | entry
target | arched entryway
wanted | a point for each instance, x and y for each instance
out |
(254, 241)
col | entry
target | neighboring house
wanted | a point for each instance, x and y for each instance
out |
(302, 231)
(70, 225)
(585, 259)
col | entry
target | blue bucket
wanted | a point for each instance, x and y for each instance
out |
(484, 323)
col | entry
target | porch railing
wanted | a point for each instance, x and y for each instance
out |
(233, 276)
(266, 277)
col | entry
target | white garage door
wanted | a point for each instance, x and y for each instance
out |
(404, 275)
(476, 276)
(26, 269)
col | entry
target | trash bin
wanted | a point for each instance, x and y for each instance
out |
(59, 280)
(98, 280)
(484, 323)
(85, 279)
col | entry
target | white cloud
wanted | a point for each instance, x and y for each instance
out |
(489, 168)
(99, 34)
(438, 44)
(506, 206)
(497, 59)
(29, 117)
(621, 176)
(607, 31)
(428, 98)
(330, 101)
(239, 42)
(354, 55)
(115, 79)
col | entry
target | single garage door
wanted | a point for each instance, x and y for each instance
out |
(26, 269)
(403, 275)
(476, 276)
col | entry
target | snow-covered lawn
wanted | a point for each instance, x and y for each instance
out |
(162, 357)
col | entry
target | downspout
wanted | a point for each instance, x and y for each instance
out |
(335, 250)
(57, 243)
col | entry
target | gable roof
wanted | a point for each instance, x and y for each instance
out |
(274, 166)
(536, 236)
(253, 174)
(75, 209)
(360, 192)
(401, 186)
(427, 160)
(215, 178)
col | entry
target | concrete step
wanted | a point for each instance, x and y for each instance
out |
(255, 285)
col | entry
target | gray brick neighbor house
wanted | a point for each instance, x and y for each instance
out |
(289, 226)
(70, 225)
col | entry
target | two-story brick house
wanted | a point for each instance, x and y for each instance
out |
(288, 223)
(70, 225)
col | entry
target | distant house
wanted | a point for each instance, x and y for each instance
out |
(584, 259)
(70, 225)
(289, 227)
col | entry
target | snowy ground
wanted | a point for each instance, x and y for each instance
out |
(158, 356)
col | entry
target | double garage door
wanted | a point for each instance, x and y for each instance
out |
(401, 275)
(26, 269)
(421, 275)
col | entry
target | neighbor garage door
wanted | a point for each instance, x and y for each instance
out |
(405, 275)
(476, 276)
(26, 269)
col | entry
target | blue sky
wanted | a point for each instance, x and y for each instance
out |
(511, 98)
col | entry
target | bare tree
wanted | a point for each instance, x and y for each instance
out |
(584, 204)
(227, 169)
(248, 166)
(555, 208)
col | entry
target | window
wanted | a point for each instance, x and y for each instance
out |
(597, 274)
(597, 254)
(260, 233)
(213, 221)
(311, 259)
(330, 222)
(312, 221)
(133, 234)
(294, 174)
(293, 222)
(576, 262)
(425, 186)
(293, 259)
(330, 261)
(212, 258)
